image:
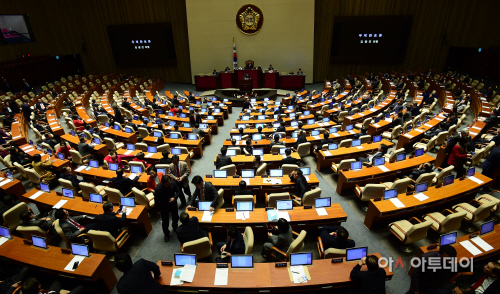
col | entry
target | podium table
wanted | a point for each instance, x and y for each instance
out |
(245, 85)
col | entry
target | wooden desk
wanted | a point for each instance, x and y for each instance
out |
(416, 134)
(271, 120)
(139, 214)
(13, 187)
(100, 174)
(100, 149)
(51, 260)
(289, 129)
(374, 175)
(53, 121)
(156, 156)
(212, 122)
(19, 130)
(246, 162)
(445, 196)
(207, 135)
(265, 277)
(361, 116)
(195, 145)
(120, 135)
(347, 152)
(56, 162)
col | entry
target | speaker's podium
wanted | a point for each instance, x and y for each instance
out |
(245, 85)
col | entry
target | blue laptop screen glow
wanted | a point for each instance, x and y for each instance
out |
(322, 202)
(97, 141)
(448, 239)
(157, 134)
(241, 261)
(244, 206)
(257, 137)
(183, 259)
(377, 139)
(315, 133)
(300, 259)
(231, 152)
(356, 165)
(247, 173)
(61, 156)
(192, 137)
(128, 130)
(204, 205)
(282, 150)
(67, 193)
(4, 232)
(39, 242)
(448, 180)
(276, 172)
(173, 136)
(96, 198)
(379, 161)
(306, 171)
(419, 152)
(349, 127)
(353, 254)
(79, 249)
(220, 173)
(131, 147)
(151, 149)
(310, 121)
(44, 187)
(176, 151)
(400, 157)
(471, 172)
(333, 130)
(116, 127)
(284, 205)
(161, 170)
(392, 193)
(258, 152)
(487, 227)
(135, 169)
(356, 143)
(125, 201)
(113, 166)
(422, 187)
(333, 146)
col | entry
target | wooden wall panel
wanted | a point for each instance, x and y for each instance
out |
(466, 23)
(60, 26)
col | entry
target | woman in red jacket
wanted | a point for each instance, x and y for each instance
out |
(459, 156)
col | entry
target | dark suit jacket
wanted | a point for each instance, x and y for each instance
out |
(300, 140)
(288, 160)
(301, 186)
(237, 246)
(14, 107)
(242, 192)
(139, 280)
(273, 143)
(163, 195)
(109, 222)
(223, 160)
(26, 110)
(372, 282)
(72, 178)
(281, 129)
(39, 106)
(51, 142)
(209, 193)
(69, 229)
(425, 280)
(124, 184)
(85, 149)
(190, 231)
(192, 121)
(165, 161)
(491, 162)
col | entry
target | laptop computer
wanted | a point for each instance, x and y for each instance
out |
(419, 152)
(448, 239)
(356, 165)
(422, 187)
(323, 202)
(5, 232)
(204, 205)
(301, 258)
(128, 202)
(248, 173)
(113, 166)
(392, 193)
(244, 206)
(284, 205)
(181, 259)
(448, 180)
(39, 242)
(96, 198)
(487, 227)
(305, 171)
(220, 174)
(80, 249)
(67, 193)
(355, 254)
(379, 161)
(241, 261)
(278, 173)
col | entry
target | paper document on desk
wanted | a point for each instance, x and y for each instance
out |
(307, 178)
(243, 215)
(5, 182)
(419, 130)
(428, 125)
(128, 152)
(397, 202)
(439, 119)
(321, 211)
(408, 136)
(283, 214)
(3, 240)
(481, 243)
(317, 137)
(351, 132)
(247, 180)
(359, 147)
(105, 128)
(476, 128)
(327, 153)
(29, 150)
(132, 176)
(149, 155)
(388, 119)
(470, 247)
(129, 210)
(376, 125)
(470, 178)
(34, 196)
(298, 274)
(335, 135)
(60, 204)
(176, 281)
(472, 133)
(221, 276)
(78, 258)
(207, 216)
(276, 181)
(383, 168)
(80, 168)
(188, 272)
(421, 196)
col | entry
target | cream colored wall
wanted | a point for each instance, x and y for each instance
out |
(286, 40)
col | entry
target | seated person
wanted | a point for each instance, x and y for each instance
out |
(370, 281)
(301, 185)
(277, 141)
(71, 225)
(415, 110)
(28, 219)
(79, 123)
(109, 222)
(165, 159)
(421, 169)
(381, 151)
(301, 139)
(18, 156)
(67, 175)
(123, 184)
(288, 159)
(222, 159)
(115, 158)
(48, 140)
(43, 168)
(243, 189)
(189, 230)
(233, 245)
(32, 286)
(9, 201)
(281, 128)
(140, 158)
(336, 237)
(248, 146)
(257, 163)
(138, 277)
(64, 149)
(281, 238)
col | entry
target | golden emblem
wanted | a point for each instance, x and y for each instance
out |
(249, 19)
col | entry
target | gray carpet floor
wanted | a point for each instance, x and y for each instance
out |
(379, 239)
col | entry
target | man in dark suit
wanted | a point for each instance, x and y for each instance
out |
(336, 237)
(248, 146)
(48, 140)
(13, 106)
(222, 159)
(492, 161)
(428, 277)
(5, 86)
(192, 118)
(205, 191)
(179, 172)
(166, 195)
(196, 130)
(42, 106)
(71, 225)
(301, 139)
(281, 128)
(84, 148)
(288, 159)
(420, 84)
(400, 85)
(301, 185)
(26, 109)
(109, 222)
(370, 281)
(381, 151)
(271, 67)
(281, 240)
(67, 175)
(276, 141)
(488, 93)
(415, 110)
(492, 120)
(31, 285)
(489, 283)
(197, 116)
(243, 189)
(27, 219)
(246, 104)
(26, 86)
(233, 245)
(189, 230)
(138, 277)
(124, 184)
(165, 159)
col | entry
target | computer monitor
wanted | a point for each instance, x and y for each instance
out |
(294, 123)
(204, 110)
(258, 152)
(5, 232)
(276, 125)
(152, 149)
(282, 150)
(301, 258)
(323, 202)
(96, 198)
(392, 193)
(377, 139)
(471, 171)
(198, 102)
(290, 107)
(448, 180)
(236, 137)
(291, 115)
(284, 205)
(422, 187)
(181, 259)
(203, 126)
(135, 169)
(128, 130)
(388, 115)
(97, 141)
(231, 152)
(419, 152)
(315, 133)
(257, 137)
(174, 136)
(204, 205)
(307, 112)
(356, 165)
(333, 146)
(242, 126)
(448, 239)
(295, 135)
(356, 143)
(253, 100)
(333, 130)
(305, 171)
(244, 205)
(175, 151)
(355, 254)
(248, 173)
(310, 121)
(80, 249)
(73, 132)
(135, 117)
(116, 127)
(44, 187)
(259, 125)
(408, 128)
(245, 118)
(261, 117)
(60, 156)
(376, 120)
(220, 174)
(171, 123)
(400, 157)
(487, 227)
(186, 125)
(67, 193)
(349, 127)
(49, 151)
(276, 173)
(113, 166)
(128, 202)
(131, 147)
(39, 242)
(241, 261)
(157, 134)
(192, 137)
(379, 161)
(161, 170)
